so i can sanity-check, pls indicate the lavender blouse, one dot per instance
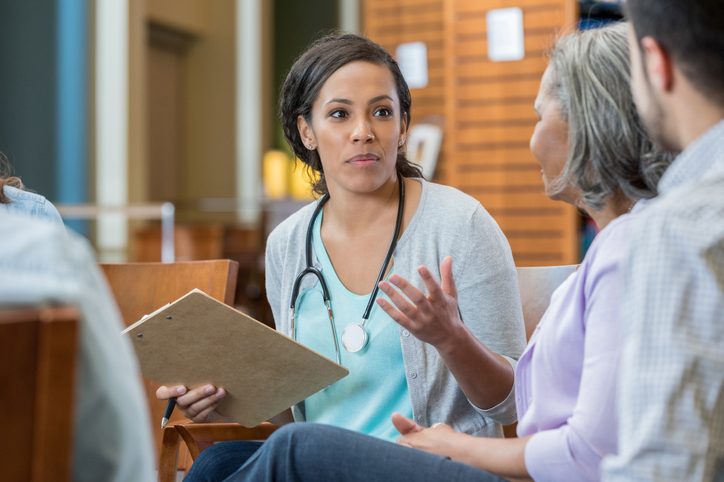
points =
(565, 381)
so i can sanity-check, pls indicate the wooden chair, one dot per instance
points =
(141, 288)
(536, 286)
(38, 349)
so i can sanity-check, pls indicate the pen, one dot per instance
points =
(169, 410)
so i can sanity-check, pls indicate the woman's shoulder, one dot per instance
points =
(446, 203)
(30, 204)
(610, 245)
(19, 196)
(292, 229)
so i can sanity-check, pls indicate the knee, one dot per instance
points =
(219, 461)
(296, 435)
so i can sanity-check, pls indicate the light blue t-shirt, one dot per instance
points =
(376, 385)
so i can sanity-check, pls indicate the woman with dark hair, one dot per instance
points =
(14, 198)
(437, 352)
(595, 155)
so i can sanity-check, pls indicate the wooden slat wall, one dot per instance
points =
(392, 22)
(489, 111)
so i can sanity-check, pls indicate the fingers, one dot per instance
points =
(433, 289)
(446, 275)
(419, 300)
(396, 316)
(403, 442)
(164, 392)
(198, 403)
(404, 425)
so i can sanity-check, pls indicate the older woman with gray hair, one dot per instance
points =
(595, 155)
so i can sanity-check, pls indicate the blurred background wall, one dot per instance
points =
(138, 102)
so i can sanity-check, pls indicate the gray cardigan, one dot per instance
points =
(447, 222)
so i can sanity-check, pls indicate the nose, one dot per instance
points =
(362, 132)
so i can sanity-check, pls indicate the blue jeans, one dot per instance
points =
(220, 461)
(315, 452)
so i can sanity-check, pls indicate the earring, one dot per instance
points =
(310, 147)
(400, 143)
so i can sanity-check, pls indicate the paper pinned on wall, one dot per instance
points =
(505, 34)
(412, 59)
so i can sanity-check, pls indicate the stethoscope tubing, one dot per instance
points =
(310, 269)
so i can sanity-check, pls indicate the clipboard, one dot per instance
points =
(198, 340)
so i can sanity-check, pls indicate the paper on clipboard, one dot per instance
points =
(198, 340)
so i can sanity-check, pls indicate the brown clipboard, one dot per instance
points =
(198, 340)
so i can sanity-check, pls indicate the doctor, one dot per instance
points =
(437, 351)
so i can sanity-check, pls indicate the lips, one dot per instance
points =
(363, 160)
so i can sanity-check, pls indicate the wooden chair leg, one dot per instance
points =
(169, 455)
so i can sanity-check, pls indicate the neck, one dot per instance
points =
(693, 115)
(352, 212)
(614, 208)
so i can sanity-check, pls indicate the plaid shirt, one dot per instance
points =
(671, 387)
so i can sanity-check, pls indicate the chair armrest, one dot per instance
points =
(199, 437)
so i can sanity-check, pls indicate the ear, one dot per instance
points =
(306, 132)
(658, 65)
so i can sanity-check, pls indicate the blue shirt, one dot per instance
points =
(376, 385)
(24, 203)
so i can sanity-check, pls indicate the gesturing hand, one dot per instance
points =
(433, 318)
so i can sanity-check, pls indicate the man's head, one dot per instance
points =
(677, 50)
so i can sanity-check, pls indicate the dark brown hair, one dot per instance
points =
(6, 179)
(306, 78)
(692, 32)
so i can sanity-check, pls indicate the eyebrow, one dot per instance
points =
(349, 102)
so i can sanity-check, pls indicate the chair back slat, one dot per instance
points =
(38, 349)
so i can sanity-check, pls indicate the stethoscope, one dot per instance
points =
(354, 336)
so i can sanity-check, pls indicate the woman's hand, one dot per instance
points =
(197, 404)
(502, 457)
(432, 319)
(438, 439)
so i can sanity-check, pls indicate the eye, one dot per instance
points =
(383, 112)
(338, 114)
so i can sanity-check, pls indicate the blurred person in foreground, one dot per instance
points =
(40, 263)
(671, 399)
(595, 155)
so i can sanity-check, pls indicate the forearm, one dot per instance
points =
(502, 457)
(485, 377)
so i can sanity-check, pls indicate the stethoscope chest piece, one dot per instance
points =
(354, 337)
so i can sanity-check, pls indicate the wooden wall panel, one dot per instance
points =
(487, 109)
(490, 118)
(392, 22)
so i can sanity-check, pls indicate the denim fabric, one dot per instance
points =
(315, 452)
(26, 203)
(221, 460)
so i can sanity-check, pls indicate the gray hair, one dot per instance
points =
(609, 148)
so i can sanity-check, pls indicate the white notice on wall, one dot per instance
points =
(505, 34)
(412, 59)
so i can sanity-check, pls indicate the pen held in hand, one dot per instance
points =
(169, 410)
